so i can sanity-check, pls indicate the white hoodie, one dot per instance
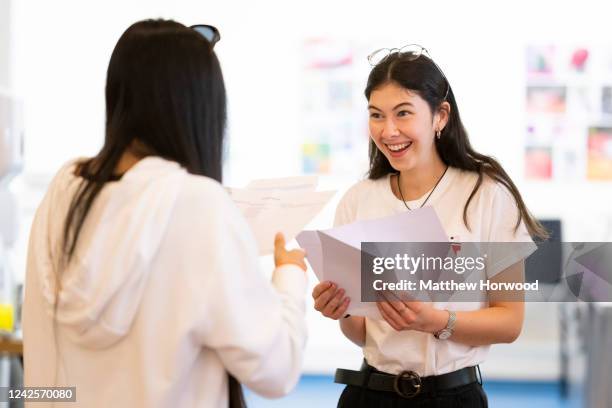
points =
(161, 297)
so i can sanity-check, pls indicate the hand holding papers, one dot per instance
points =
(285, 205)
(335, 254)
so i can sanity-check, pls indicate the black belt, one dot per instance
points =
(407, 383)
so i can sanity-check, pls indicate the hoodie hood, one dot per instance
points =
(100, 290)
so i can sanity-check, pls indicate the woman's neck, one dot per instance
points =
(126, 162)
(135, 152)
(416, 182)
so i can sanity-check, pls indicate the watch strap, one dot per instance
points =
(450, 325)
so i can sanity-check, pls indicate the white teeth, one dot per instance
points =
(397, 147)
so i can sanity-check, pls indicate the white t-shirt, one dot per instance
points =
(492, 216)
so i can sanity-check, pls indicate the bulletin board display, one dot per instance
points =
(334, 130)
(568, 101)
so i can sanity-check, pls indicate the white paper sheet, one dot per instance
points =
(284, 205)
(300, 183)
(335, 254)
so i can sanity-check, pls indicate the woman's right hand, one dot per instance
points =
(283, 257)
(330, 300)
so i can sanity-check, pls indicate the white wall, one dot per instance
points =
(5, 26)
(62, 49)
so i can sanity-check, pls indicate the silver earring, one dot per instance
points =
(438, 134)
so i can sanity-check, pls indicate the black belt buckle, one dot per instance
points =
(414, 379)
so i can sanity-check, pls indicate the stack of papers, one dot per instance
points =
(279, 205)
(335, 254)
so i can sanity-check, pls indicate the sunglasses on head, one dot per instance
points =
(411, 52)
(209, 32)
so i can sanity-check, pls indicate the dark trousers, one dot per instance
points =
(466, 396)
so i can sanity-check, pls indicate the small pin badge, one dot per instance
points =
(455, 244)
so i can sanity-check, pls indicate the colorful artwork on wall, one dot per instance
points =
(538, 163)
(542, 99)
(540, 60)
(334, 114)
(316, 158)
(568, 104)
(599, 158)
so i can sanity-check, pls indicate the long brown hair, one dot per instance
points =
(422, 76)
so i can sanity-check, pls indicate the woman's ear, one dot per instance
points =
(442, 116)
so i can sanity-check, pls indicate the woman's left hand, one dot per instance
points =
(413, 315)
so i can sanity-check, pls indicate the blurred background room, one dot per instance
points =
(533, 81)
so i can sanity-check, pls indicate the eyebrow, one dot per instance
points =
(394, 108)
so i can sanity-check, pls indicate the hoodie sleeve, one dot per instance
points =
(257, 327)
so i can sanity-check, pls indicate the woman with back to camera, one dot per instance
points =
(426, 354)
(142, 288)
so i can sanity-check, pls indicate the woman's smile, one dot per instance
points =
(398, 149)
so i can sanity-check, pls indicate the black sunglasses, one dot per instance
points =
(209, 32)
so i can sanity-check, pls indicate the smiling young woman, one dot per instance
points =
(401, 127)
(427, 354)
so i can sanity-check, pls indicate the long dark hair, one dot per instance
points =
(422, 76)
(165, 97)
(165, 94)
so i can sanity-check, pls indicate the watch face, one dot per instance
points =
(444, 334)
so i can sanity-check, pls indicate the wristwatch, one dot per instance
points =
(446, 332)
